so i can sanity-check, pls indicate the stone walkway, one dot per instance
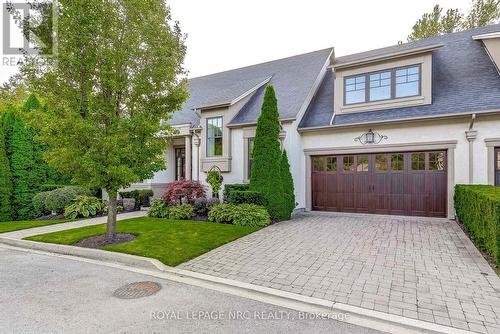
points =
(420, 268)
(67, 226)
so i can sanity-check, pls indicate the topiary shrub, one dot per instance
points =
(288, 189)
(180, 212)
(478, 208)
(246, 197)
(228, 188)
(202, 206)
(266, 156)
(183, 191)
(214, 179)
(250, 215)
(84, 206)
(57, 200)
(158, 209)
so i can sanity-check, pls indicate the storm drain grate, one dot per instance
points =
(137, 290)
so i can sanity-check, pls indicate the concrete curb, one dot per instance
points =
(356, 315)
(89, 253)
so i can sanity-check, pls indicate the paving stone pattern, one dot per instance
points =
(420, 268)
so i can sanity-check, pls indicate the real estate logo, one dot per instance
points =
(28, 29)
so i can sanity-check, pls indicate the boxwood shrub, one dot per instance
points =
(478, 208)
(56, 200)
(228, 188)
(245, 197)
(242, 215)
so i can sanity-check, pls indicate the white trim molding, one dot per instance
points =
(491, 143)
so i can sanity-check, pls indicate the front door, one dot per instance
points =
(497, 166)
(180, 163)
(406, 183)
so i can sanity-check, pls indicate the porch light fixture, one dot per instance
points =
(370, 137)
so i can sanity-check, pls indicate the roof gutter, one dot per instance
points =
(243, 125)
(401, 120)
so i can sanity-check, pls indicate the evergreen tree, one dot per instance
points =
(40, 169)
(265, 174)
(20, 153)
(288, 189)
(5, 180)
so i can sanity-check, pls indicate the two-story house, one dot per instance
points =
(387, 131)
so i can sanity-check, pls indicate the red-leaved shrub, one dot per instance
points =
(186, 190)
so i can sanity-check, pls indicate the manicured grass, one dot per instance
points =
(24, 224)
(170, 241)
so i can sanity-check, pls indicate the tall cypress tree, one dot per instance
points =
(5, 180)
(288, 189)
(20, 153)
(265, 177)
(40, 168)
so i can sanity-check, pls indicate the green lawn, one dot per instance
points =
(24, 224)
(170, 241)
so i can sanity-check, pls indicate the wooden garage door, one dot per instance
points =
(401, 183)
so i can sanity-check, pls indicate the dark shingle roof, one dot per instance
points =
(464, 79)
(292, 77)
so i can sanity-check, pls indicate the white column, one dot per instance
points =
(189, 158)
(196, 158)
(471, 135)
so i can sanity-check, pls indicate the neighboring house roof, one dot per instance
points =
(292, 77)
(464, 79)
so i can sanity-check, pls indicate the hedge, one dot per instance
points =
(478, 208)
(228, 188)
(5, 180)
(246, 197)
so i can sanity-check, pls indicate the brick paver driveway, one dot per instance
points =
(420, 268)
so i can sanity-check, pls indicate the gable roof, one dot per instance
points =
(464, 80)
(292, 77)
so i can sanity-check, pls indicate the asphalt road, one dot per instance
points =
(50, 294)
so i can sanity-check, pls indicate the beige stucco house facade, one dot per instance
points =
(387, 131)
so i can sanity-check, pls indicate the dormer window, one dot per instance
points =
(382, 85)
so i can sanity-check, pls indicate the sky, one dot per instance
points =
(227, 34)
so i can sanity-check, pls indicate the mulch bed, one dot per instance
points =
(103, 240)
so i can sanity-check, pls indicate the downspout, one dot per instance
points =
(471, 136)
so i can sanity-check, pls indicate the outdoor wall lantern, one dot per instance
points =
(370, 137)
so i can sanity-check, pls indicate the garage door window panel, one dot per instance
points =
(397, 162)
(418, 161)
(362, 163)
(348, 163)
(318, 164)
(381, 163)
(331, 164)
(437, 161)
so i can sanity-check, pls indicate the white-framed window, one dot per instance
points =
(383, 85)
(214, 136)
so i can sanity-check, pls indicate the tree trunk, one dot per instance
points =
(111, 223)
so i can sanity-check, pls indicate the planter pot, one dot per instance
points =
(129, 204)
